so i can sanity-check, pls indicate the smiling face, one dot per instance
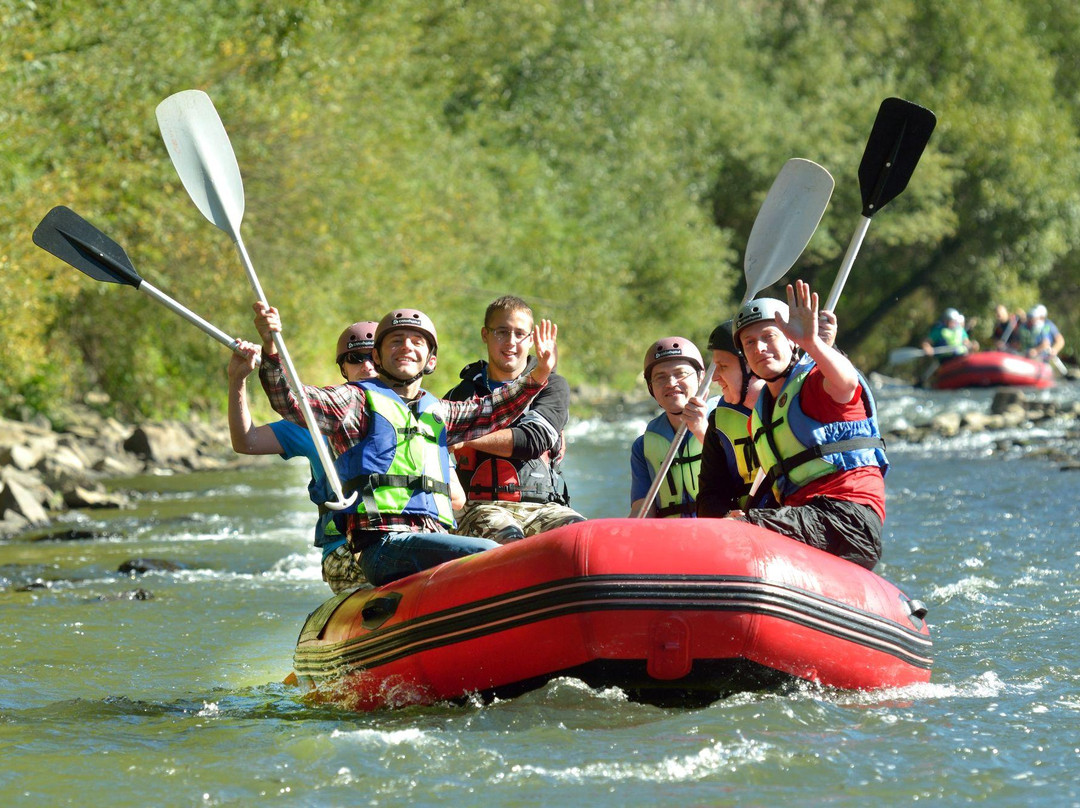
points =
(767, 350)
(673, 382)
(508, 337)
(728, 374)
(404, 353)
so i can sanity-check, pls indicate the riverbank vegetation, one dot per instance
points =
(603, 160)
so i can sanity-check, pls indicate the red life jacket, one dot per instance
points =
(486, 477)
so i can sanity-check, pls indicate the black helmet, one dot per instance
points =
(722, 339)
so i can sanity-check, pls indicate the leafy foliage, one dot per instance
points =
(603, 160)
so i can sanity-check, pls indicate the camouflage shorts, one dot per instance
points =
(341, 570)
(488, 519)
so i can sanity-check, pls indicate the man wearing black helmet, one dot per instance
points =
(728, 461)
(815, 431)
(391, 436)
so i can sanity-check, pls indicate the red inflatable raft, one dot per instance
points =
(991, 369)
(669, 610)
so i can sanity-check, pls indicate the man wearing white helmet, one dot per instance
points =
(1039, 337)
(949, 332)
(729, 463)
(815, 431)
(355, 363)
(673, 373)
(391, 437)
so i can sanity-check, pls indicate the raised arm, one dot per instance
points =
(247, 438)
(840, 376)
(333, 407)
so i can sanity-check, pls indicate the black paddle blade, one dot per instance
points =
(901, 131)
(72, 239)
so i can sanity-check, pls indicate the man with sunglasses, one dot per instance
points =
(355, 363)
(512, 478)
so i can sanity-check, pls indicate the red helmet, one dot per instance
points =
(672, 348)
(357, 337)
(408, 318)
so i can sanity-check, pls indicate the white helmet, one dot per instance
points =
(758, 309)
(1038, 312)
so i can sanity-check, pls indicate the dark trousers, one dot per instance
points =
(850, 530)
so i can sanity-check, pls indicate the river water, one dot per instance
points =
(106, 699)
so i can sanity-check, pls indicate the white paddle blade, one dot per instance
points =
(898, 356)
(787, 220)
(203, 157)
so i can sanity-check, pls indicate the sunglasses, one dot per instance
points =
(355, 358)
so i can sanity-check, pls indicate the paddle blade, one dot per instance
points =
(203, 157)
(72, 239)
(787, 219)
(901, 131)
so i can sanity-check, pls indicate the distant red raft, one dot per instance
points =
(678, 611)
(991, 369)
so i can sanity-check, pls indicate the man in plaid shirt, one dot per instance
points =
(391, 437)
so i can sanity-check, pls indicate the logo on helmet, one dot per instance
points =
(663, 353)
(405, 320)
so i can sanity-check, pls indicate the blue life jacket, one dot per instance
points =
(794, 449)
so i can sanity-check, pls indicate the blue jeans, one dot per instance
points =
(396, 555)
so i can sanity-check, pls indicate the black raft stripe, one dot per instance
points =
(616, 592)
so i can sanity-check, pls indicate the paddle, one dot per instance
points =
(785, 222)
(72, 239)
(203, 156)
(898, 356)
(899, 135)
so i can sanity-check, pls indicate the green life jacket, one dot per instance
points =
(794, 449)
(402, 464)
(732, 426)
(681, 478)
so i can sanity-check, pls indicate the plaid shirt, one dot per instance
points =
(341, 413)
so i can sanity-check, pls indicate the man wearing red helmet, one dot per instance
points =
(673, 373)
(512, 477)
(391, 437)
(355, 363)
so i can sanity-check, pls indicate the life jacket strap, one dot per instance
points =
(788, 465)
(366, 484)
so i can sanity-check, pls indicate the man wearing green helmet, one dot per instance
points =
(815, 431)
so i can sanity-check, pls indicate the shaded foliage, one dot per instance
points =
(605, 161)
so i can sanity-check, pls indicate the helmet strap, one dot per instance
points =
(394, 381)
(787, 370)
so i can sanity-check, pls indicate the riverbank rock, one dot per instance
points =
(46, 469)
(1011, 408)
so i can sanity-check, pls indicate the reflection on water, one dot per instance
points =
(177, 699)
